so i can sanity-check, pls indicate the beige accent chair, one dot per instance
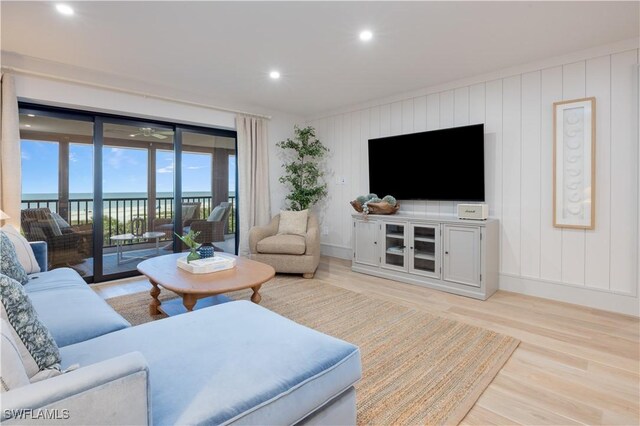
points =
(287, 253)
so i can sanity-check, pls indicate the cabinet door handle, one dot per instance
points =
(375, 242)
(411, 248)
(446, 252)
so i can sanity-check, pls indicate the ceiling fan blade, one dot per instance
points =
(158, 136)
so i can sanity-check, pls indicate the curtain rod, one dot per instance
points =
(128, 92)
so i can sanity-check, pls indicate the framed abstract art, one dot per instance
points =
(574, 152)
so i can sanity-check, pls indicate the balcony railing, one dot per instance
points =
(121, 214)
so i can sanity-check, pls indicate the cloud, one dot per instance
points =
(166, 169)
(195, 167)
(73, 157)
(25, 155)
(118, 157)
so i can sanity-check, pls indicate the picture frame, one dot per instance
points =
(574, 161)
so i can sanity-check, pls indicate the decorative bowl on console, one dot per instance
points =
(371, 204)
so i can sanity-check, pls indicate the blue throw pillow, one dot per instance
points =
(39, 351)
(9, 263)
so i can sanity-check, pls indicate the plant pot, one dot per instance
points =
(193, 255)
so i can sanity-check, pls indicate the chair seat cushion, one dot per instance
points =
(231, 363)
(282, 244)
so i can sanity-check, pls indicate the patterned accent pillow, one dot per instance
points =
(9, 263)
(37, 348)
(23, 249)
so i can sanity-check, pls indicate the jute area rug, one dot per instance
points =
(417, 368)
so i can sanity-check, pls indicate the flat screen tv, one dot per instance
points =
(445, 164)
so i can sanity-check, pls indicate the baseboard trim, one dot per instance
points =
(335, 250)
(619, 303)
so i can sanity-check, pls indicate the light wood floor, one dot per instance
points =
(574, 365)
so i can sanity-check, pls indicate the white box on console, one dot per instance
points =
(478, 211)
(217, 263)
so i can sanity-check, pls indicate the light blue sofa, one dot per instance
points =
(235, 363)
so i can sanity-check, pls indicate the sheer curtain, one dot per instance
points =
(10, 179)
(253, 176)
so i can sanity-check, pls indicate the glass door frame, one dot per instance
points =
(98, 189)
(232, 134)
(99, 120)
(62, 114)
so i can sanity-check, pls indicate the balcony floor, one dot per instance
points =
(111, 266)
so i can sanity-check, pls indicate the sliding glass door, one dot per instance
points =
(137, 170)
(209, 186)
(107, 192)
(57, 186)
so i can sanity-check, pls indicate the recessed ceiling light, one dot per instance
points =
(366, 35)
(132, 136)
(31, 115)
(27, 125)
(274, 75)
(65, 9)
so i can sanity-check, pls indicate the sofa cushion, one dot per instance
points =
(293, 222)
(12, 372)
(232, 363)
(9, 263)
(54, 279)
(23, 249)
(71, 310)
(38, 349)
(282, 244)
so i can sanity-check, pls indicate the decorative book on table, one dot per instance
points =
(220, 262)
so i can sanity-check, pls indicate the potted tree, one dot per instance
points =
(303, 175)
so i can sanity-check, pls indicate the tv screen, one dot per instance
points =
(445, 164)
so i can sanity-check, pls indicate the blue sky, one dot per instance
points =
(124, 169)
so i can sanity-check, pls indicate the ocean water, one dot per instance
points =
(81, 204)
(115, 195)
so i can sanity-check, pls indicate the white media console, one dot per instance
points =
(444, 253)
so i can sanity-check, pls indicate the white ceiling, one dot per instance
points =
(223, 51)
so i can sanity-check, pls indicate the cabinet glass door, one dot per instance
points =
(394, 246)
(424, 250)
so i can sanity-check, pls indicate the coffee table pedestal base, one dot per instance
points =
(176, 306)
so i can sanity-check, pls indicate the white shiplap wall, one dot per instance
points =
(597, 268)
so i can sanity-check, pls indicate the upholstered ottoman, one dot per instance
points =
(232, 363)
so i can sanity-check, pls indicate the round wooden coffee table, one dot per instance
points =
(163, 272)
